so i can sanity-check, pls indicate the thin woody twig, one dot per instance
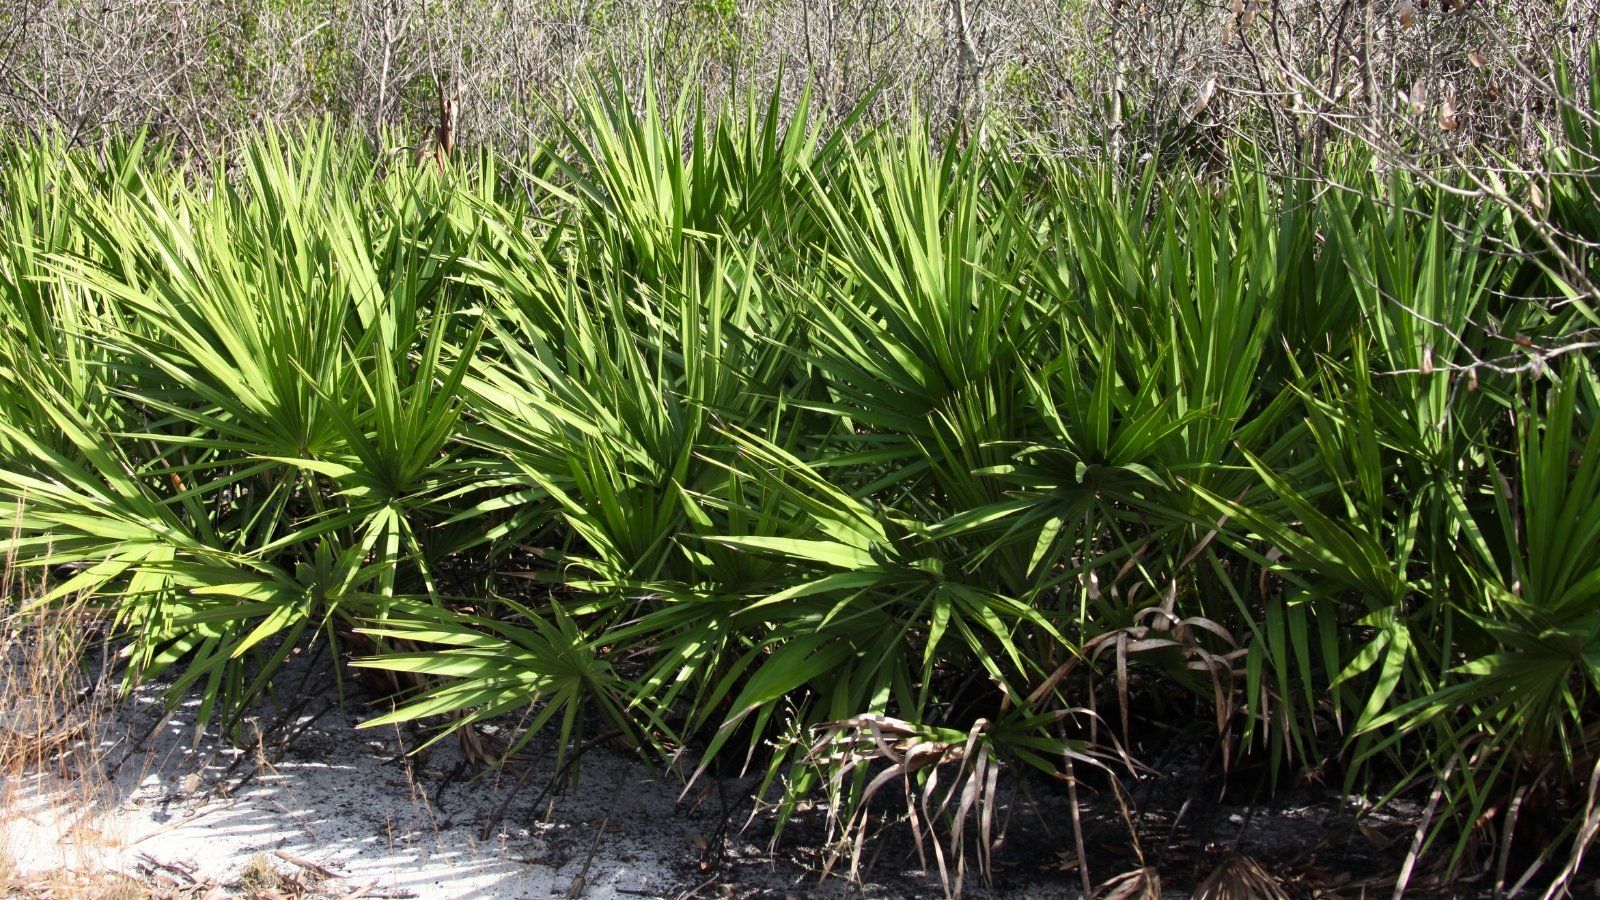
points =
(308, 865)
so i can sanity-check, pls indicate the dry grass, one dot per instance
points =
(60, 883)
(259, 875)
(46, 700)
(51, 774)
(10, 874)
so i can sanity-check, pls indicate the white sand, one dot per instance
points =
(352, 803)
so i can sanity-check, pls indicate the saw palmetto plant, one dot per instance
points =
(878, 464)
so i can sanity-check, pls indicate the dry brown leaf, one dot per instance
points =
(1065, 861)
(1477, 59)
(1207, 91)
(1406, 12)
(1090, 582)
(1377, 838)
(1140, 884)
(1417, 96)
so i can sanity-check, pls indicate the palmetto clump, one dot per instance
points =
(852, 456)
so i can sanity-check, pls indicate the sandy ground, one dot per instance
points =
(309, 792)
(348, 812)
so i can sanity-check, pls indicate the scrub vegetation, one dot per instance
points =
(878, 458)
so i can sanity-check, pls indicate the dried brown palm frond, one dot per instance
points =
(921, 751)
(1143, 883)
(1177, 645)
(1240, 877)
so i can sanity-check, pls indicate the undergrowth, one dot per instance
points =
(864, 460)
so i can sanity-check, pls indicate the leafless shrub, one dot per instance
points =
(1128, 78)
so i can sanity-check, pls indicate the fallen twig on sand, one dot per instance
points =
(308, 865)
